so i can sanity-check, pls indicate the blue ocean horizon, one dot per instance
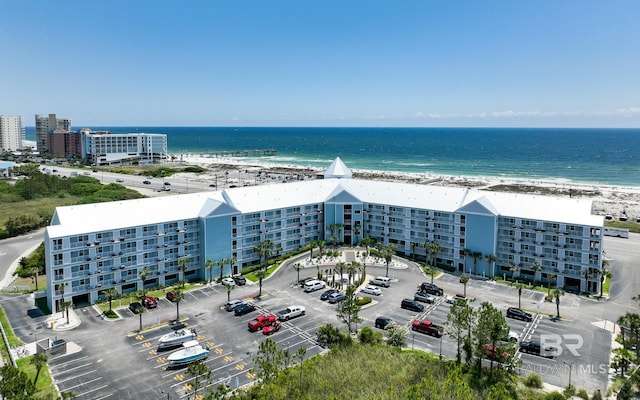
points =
(595, 156)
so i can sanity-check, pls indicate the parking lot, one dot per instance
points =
(114, 362)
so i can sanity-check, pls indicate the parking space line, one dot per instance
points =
(75, 376)
(77, 367)
(95, 389)
(70, 362)
(104, 397)
(83, 384)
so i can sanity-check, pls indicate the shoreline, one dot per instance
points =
(616, 200)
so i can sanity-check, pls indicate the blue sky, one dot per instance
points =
(323, 63)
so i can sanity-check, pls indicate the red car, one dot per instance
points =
(428, 327)
(260, 322)
(269, 329)
(150, 302)
(494, 354)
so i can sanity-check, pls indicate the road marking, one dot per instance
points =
(139, 337)
(240, 367)
(228, 358)
(147, 344)
(161, 359)
(218, 351)
(251, 375)
(153, 352)
(178, 377)
(187, 387)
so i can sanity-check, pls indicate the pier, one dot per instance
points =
(240, 153)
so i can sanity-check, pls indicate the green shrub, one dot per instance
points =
(533, 380)
(369, 336)
(364, 300)
(554, 396)
(583, 394)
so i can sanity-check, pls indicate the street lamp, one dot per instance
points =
(570, 368)
(413, 339)
(440, 354)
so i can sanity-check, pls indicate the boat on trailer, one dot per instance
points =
(177, 338)
(191, 352)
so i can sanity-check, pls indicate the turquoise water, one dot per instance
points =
(595, 156)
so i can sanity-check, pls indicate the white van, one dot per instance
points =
(381, 281)
(314, 285)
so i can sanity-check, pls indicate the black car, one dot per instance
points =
(325, 295)
(244, 309)
(517, 313)
(431, 289)
(147, 182)
(534, 347)
(382, 322)
(240, 280)
(412, 305)
(136, 307)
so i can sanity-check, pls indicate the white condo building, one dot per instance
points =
(93, 247)
(106, 148)
(11, 133)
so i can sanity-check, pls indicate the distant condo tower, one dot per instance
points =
(45, 124)
(11, 133)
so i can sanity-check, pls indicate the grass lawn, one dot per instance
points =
(44, 206)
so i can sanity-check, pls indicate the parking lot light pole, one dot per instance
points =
(570, 368)
(413, 339)
(440, 353)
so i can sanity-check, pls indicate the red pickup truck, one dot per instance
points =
(260, 322)
(428, 327)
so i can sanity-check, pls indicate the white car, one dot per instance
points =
(450, 299)
(228, 281)
(374, 290)
(290, 312)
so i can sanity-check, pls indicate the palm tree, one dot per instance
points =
(352, 268)
(261, 274)
(278, 251)
(264, 250)
(39, 360)
(535, 267)
(622, 323)
(491, 259)
(587, 273)
(341, 266)
(140, 312)
(297, 266)
(519, 286)
(387, 253)
(208, 265)
(432, 248)
(321, 245)
(429, 271)
(182, 267)
(229, 289)
(356, 231)
(549, 278)
(312, 244)
(367, 242)
(464, 279)
(557, 293)
(146, 271)
(475, 255)
(179, 296)
(514, 269)
(112, 293)
(222, 263)
(34, 270)
(604, 274)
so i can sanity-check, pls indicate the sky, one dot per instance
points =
(428, 63)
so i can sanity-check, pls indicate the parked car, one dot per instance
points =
(313, 285)
(228, 281)
(260, 322)
(243, 309)
(171, 296)
(232, 304)
(325, 295)
(431, 289)
(428, 327)
(381, 281)
(457, 297)
(516, 313)
(424, 297)
(412, 305)
(240, 280)
(290, 312)
(382, 322)
(150, 302)
(374, 290)
(120, 180)
(336, 297)
(535, 347)
(167, 183)
(147, 182)
(271, 328)
(136, 307)
(495, 354)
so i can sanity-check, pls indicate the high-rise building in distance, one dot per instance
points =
(11, 133)
(45, 124)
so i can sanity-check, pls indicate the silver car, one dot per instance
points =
(424, 297)
(374, 290)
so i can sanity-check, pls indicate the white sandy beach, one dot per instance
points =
(614, 200)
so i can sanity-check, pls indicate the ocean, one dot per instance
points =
(590, 156)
